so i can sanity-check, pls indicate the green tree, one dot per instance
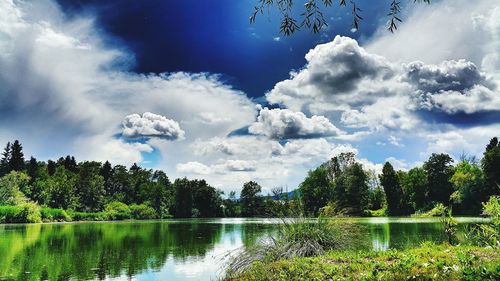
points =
(316, 190)
(51, 167)
(4, 162)
(415, 188)
(206, 199)
(356, 188)
(161, 194)
(470, 188)
(231, 206)
(251, 200)
(439, 172)
(491, 166)
(11, 186)
(183, 203)
(16, 161)
(393, 191)
(62, 189)
(90, 187)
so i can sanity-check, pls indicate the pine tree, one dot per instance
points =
(32, 169)
(51, 167)
(4, 162)
(16, 161)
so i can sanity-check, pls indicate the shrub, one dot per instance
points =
(83, 216)
(142, 212)
(117, 211)
(51, 214)
(487, 234)
(438, 211)
(24, 213)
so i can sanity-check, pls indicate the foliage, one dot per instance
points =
(26, 212)
(415, 187)
(439, 172)
(393, 191)
(470, 187)
(142, 212)
(428, 262)
(316, 190)
(491, 166)
(312, 17)
(11, 186)
(250, 200)
(438, 211)
(51, 214)
(118, 211)
(487, 234)
(449, 225)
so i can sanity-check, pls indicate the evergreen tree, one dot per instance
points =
(16, 161)
(32, 169)
(4, 162)
(491, 166)
(51, 167)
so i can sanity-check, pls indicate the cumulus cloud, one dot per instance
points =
(286, 124)
(151, 125)
(339, 71)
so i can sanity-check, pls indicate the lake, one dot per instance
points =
(165, 250)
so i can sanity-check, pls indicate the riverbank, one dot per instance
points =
(427, 262)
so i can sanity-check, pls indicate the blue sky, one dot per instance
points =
(191, 87)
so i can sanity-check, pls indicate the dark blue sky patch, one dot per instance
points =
(215, 36)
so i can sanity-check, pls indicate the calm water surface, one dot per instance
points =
(164, 250)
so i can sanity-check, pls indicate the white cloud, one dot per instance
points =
(286, 124)
(151, 125)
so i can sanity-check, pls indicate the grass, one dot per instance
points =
(298, 237)
(428, 262)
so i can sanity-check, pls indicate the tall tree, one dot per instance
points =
(16, 161)
(491, 166)
(393, 191)
(416, 189)
(316, 191)
(439, 172)
(356, 187)
(251, 201)
(51, 167)
(470, 188)
(4, 162)
(90, 187)
(183, 203)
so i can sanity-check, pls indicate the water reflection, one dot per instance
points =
(158, 250)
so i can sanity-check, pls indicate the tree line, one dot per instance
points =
(341, 185)
(92, 187)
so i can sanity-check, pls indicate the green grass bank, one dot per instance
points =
(428, 262)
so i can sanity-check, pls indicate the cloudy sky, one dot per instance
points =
(192, 88)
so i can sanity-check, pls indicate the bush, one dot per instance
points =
(50, 214)
(438, 211)
(118, 211)
(377, 213)
(142, 212)
(487, 234)
(83, 216)
(24, 213)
